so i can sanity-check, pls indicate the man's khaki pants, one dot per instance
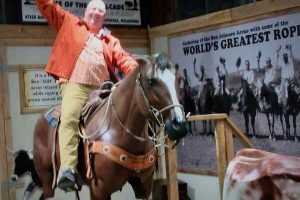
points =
(74, 96)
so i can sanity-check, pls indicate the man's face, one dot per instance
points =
(268, 62)
(285, 58)
(94, 15)
(185, 72)
(247, 64)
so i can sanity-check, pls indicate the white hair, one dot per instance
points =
(97, 2)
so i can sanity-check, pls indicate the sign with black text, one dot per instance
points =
(38, 90)
(118, 12)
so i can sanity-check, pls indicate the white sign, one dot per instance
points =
(255, 41)
(40, 89)
(118, 12)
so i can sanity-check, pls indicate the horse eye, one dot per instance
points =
(151, 81)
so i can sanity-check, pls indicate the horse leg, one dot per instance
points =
(294, 125)
(287, 124)
(148, 185)
(210, 129)
(281, 122)
(204, 127)
(46, 176)
(194, 124)
(246, 117)
(190, 128)
(269, 124)
(98, 190)
(253, 123)
(46, 180)
(42, 198)
(273, 122)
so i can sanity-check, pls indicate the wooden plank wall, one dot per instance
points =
(3, 164)
(239, 15)
(42, 35)
(7, 161)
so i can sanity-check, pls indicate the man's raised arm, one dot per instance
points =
(53, 12)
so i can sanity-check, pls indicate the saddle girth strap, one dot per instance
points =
(124, 158)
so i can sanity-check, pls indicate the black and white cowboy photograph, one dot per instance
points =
(149, 100)
(254, 81)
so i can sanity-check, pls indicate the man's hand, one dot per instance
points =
(218, 69)
(278, 50)
(238, 62)
(202, 69)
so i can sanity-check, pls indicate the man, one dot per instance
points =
(287, 69)
(202, 79)
(83, 56)
(248, 74)
(270, 73)
(221, 81)
(186, 79)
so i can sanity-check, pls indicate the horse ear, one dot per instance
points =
(162, 61)
(140, 60)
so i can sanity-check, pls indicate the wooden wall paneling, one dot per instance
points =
(171, 167)
(2, 9)
(3, 164)
(5, 130)
(38, 35)
(8, 132)
(233, 16)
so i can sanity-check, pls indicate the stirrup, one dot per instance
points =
(67, 181)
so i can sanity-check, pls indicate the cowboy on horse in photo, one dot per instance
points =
(113, 130)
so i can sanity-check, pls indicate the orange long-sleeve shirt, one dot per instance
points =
(73, 33)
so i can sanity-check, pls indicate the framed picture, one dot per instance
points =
(250, 71)
(38, 90)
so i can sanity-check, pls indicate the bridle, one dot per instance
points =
(155, 113)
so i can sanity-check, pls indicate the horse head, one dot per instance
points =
(157, 81)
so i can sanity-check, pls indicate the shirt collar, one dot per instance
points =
(104, 32)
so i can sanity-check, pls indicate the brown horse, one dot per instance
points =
(147, 93)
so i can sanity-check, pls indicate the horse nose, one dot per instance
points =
(176, 129)
(14, 177)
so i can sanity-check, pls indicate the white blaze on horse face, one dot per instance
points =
(169, 79)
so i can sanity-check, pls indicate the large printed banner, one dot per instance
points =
(232, 46)
(250, 71)
(118, 12)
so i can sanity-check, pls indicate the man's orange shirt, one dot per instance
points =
(73, 33)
